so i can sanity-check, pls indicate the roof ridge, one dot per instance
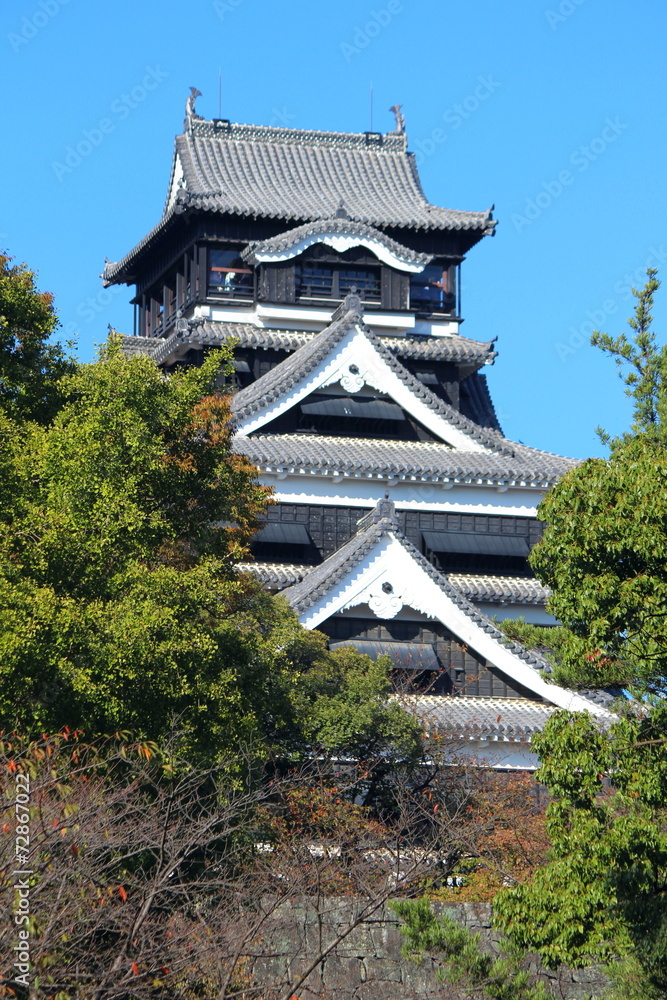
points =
(239, 131)
(484, 435)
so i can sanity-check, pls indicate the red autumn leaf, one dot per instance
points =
(165, 969)
(135, 969)
(75, 850)
(11, 766)
(6, 828)
(122, 893)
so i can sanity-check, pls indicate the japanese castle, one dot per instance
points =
(404, 517)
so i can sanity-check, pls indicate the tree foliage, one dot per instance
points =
(604, 555)
(604, 552)
(462, 961)
(642, 366)
(30, 364)
(602, 895)
(120, 607)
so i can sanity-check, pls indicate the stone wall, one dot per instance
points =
(366, 963)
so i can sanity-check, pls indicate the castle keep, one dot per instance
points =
(404, 517)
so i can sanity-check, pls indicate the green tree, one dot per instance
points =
(604, 552)
(602, 895)
(604, 555)
(120, 607)
(30, 363)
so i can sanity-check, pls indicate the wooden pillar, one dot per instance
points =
(153, 314)
(202, 274)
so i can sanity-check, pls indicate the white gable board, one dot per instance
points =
(355, 362)
(387, 578)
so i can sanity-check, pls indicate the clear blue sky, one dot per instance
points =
(554, 110)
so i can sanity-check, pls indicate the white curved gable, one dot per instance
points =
(340, 242)
(388, 579)
(355, 362)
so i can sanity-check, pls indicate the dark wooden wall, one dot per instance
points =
(463, 671)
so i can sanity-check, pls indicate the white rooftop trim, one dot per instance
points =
(340, 242)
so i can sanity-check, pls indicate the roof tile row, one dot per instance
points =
(411, 460)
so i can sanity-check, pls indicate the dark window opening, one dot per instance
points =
(228, 275)
(463, 562)
(350, 416)
(318, 282)
(314, 282)
(430, 290)
(284, 541)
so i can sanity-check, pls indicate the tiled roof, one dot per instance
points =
(476, 587)
(284, 242)
(131, 345)
(275, 575)
(296, 174)
(277, 382)
(420, 460)
(323, 578)
(502, 719)
(510, 589)
(293, 174)
(475, 400)
(452, 347)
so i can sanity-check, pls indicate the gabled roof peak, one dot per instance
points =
(351, 308)
(384, 510)
(380, 567)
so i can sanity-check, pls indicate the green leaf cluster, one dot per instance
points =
(604, 556)
(602, 895)
(464, 963)
(121, 522)
(31, 364)
(604, 552)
